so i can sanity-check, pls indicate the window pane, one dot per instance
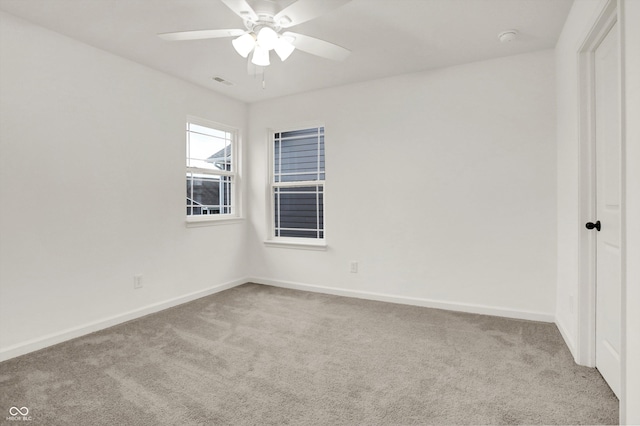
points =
(208, 194)
(296, 233)
(299, 212)
(208, 148)
(207, 131)
(301, 133)
(299, 155)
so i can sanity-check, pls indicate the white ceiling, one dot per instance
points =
(387, 37)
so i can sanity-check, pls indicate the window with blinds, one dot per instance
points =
(297, 186)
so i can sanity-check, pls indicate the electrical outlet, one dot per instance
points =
(137, 281)
(353, 267)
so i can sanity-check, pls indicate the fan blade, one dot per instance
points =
(318, 47)
(200, 34)
(305, 10)
(242, 9)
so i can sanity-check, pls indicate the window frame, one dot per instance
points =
(292, 242)
(234, 174)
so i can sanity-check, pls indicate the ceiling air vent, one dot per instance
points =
(223, 81)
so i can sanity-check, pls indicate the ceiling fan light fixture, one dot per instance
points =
(284, 48)
(285, 21)
(263, 27)
(267, 38)
(244, 44)
(260, 56)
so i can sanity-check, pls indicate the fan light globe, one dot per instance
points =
(260, 56)
(244, 44)
(284, 48)
(267, 38)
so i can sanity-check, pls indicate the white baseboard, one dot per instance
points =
(71, 333)
(562, 328)
(415, 301)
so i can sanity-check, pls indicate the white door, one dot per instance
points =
(608, 208)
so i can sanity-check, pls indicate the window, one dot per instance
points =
(297, 184)
(211, 170)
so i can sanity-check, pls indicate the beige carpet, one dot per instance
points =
(263, 355)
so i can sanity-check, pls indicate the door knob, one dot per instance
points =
(591, 225)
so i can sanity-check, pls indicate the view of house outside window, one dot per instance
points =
(298, 182)
(211, 170)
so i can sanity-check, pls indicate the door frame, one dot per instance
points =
(586, 342)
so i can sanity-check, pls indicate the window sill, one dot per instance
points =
(196, 222)
(320, 245)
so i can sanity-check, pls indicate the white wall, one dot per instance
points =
(92, 189)
(581, 18)
(440, 184)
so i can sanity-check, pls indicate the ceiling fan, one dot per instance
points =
(265, 30)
